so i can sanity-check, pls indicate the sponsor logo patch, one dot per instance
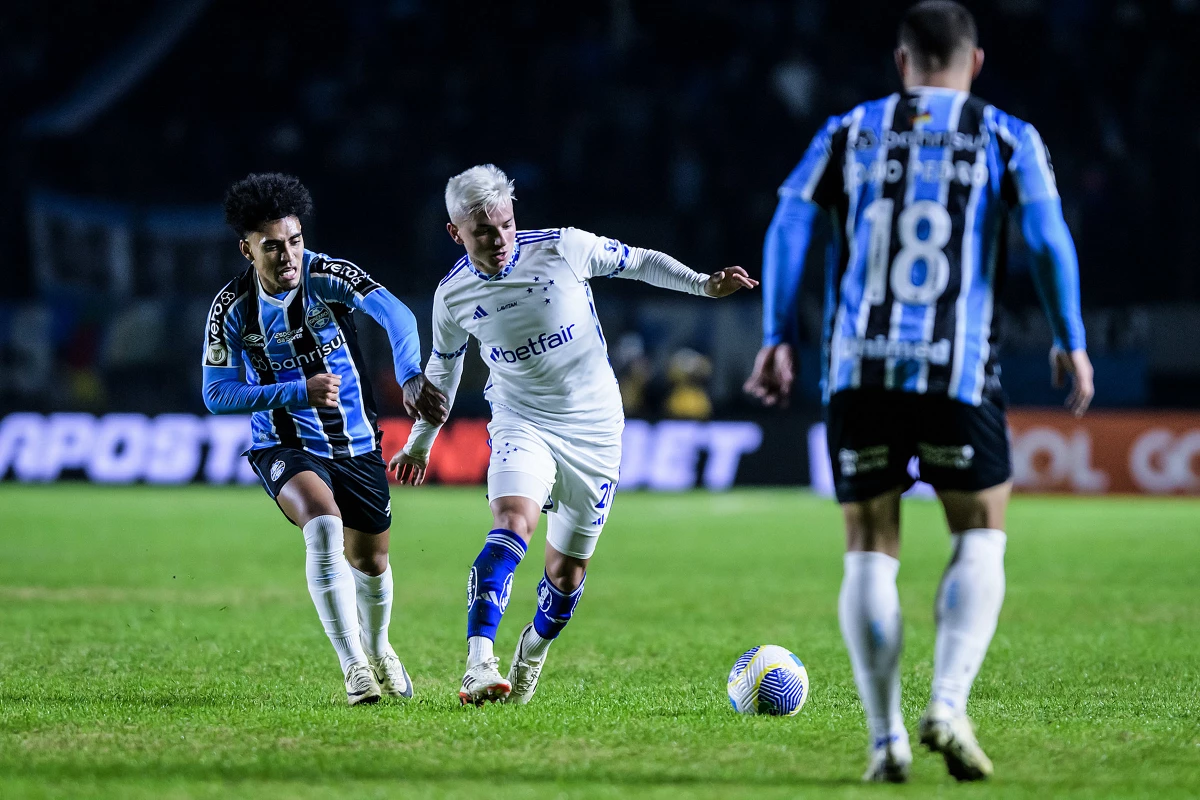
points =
(253, 340)
(283, 337)
(472, 587)
(946, 456)
(868, 459)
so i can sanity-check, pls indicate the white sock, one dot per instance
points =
(479, 649)
(374, 609)
(968, 607)
(332, 588)
(869, 612)
(535, 647)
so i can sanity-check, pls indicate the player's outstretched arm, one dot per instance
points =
(1056, 277)
(440, 382)
(660, 269)
(421, 399)
(784, 250)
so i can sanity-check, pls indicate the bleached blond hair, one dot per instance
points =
(483, 188)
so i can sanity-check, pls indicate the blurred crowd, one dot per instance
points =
(667, 124)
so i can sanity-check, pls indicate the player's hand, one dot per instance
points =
(323, 390)
(422, 399)
(773, 375)
(1076, 364)
(727, 281)
(408, 468)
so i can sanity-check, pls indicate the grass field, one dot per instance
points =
(161, 643)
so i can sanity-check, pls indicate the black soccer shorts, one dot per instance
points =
(874, 433)
(359, 484)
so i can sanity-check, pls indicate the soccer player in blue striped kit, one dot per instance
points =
(920, 187)
(281, 342)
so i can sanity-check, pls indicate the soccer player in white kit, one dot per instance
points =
(556, 409)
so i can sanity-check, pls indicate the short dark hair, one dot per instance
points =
(261, 197)
(935, 31)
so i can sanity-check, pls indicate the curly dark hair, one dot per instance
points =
(263, 196)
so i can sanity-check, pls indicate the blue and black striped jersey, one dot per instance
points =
(285, 340)
(919, 186)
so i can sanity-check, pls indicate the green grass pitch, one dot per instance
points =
(161, 643)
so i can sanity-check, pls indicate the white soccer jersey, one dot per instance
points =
(538, 331)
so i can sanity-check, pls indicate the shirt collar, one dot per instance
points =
(507, 268)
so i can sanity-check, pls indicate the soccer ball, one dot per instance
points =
(768, 680)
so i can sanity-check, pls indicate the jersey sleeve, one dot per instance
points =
(222, 341)
(784, 249)
(224, 386)
(401, 326)
(443, 370)
(340, 281)
(592, 256)
(1029, 171)
(817, 178)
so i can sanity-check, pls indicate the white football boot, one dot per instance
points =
(361, 686)
(484, 683)
(943, 731)
(890, 762)
(523, 674)
(391, 674)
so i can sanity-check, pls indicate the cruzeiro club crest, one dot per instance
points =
(318, 316)
(277, 470)
(543, 597)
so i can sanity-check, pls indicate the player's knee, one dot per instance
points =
(968, 510)
(515, 521)
(305, 508)
(323, 535)
(566, 573)
(873, 525)
(373, 564)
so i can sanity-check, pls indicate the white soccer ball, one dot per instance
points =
(768, 680)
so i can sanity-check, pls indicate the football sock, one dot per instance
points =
(479, 649)
(968, 607)
(332, 588)
(374, 609)
(869, 613)
(554, 611)
(489, 585)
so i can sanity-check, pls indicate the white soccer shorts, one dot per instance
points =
(579, 478)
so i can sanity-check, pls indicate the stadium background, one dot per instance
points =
(157, 641)
(665, 124)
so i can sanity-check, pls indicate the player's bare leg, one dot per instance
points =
(968, 608)
(308, 501)
(558, 593)
(869, 613)
(489, 587)
(368, 557)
